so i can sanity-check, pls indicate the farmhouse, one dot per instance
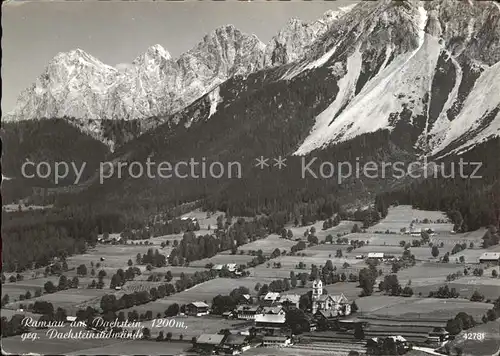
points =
(235, 344)
(490, 257)
(376, 255)
(290, 300)
(416, 232)
(231, 267)
(209, 342)
(271, 298)
(437, 337)
(197, 309)
(247, 312)
(270, 319)
(276, 341)
(245, 299)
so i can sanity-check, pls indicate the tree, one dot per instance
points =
(359, 333)
(355, 229)
(354, 307)
(49, 287)
(169, 336)
(81, 270)
(172, 310)
(160, 336)
(63, 283)
(366, 281)
(494, 273)
(297, 321)
(5, 299)
(146, 333)
(435, 251)
(257, 287)
(453, 326)
(38, 292)
(130, 263)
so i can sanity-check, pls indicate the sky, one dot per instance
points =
(117, 32)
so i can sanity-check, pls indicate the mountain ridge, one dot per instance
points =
(155, 85)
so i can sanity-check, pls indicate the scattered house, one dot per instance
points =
(277, 310)
(270, 319)
(245, 299)
(247, 312)
(276, 341)
(376, 255)
(360, 257)
(398, 340)
(70, 318)
(118, 288)
(235, 344)
(197, 309)
(228, 315)
(209, 342)
(271, 297)
(218, 267)
(289, 300)
(437, 337)
(416, 232)
(490, 257)
(231, 267)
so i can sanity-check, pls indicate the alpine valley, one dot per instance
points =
(376, 81)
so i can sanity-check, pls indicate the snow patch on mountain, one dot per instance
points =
(401, 85)
(214, 98)
(321, 131)
(483, 99)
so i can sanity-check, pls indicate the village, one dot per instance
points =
(344, 290)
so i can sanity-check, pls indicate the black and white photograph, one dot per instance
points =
(272, 178)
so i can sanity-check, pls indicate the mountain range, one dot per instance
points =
(379, 80)
(77, 86)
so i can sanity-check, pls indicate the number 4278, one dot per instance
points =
(474, 336)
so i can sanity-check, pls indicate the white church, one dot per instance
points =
(328, 305)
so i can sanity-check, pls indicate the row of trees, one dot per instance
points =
(111, 303)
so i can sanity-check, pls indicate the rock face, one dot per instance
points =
(428, 72)
(413, 68)
(293, 41)
(78, 86)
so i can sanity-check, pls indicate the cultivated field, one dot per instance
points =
(137, 348)
(426, 273)
(267, 245)
(401, 216)
(69, 299)
(223, 259)
(202, 292)
(431, 308)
